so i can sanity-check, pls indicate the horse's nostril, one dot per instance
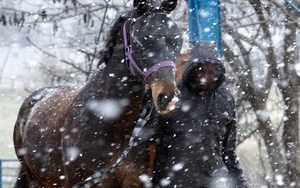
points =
(163, 100)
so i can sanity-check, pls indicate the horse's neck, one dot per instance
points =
(115, 82)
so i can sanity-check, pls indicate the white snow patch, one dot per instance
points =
(170, 24)
(185, 108)
(204, 13)
(72, 153)
(108, 109)
(263, 114)
(165, 182)
(220, 182)
(22, 151)
(203, 81)
(279, 180)
(102, 66)
(145, 179)
(177, 167)
(124, 79)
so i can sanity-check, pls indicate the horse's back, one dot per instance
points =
(38, 127)
(44, 101)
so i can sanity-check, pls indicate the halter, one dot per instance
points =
(131, 61)
(144, 116)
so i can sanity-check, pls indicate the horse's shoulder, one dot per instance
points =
(47, 98)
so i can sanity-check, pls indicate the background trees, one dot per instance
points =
(260, 45)
(261, 54)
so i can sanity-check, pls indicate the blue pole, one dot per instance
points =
(0, 173)
(205, 21)
(293, 5)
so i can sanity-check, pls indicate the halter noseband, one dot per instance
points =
(130, 60)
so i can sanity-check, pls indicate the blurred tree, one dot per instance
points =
(260, 44)
(63, 30)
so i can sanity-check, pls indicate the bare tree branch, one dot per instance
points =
(51, 55)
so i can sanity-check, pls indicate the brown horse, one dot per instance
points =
(65, 134)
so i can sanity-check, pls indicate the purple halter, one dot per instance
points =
(129, 58)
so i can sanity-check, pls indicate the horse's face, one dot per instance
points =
(156, 38)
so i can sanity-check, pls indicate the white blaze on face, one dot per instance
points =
(172, 104)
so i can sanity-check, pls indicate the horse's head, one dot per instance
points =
(156, 41)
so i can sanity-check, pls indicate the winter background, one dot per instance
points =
(57, 47)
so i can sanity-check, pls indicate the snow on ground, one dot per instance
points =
(14, 66)
(14, 77)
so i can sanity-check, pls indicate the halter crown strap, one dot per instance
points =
(132, 62)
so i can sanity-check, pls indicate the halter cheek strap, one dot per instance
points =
(131, 61)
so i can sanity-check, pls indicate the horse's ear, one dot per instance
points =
(140, 5)
(168, 5)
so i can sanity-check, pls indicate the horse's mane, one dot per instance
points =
(106, 53)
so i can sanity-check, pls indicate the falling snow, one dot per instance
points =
(261, 75)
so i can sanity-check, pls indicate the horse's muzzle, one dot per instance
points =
(167, 103)
(166, 99)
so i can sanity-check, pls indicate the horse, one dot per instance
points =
(65, 134)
